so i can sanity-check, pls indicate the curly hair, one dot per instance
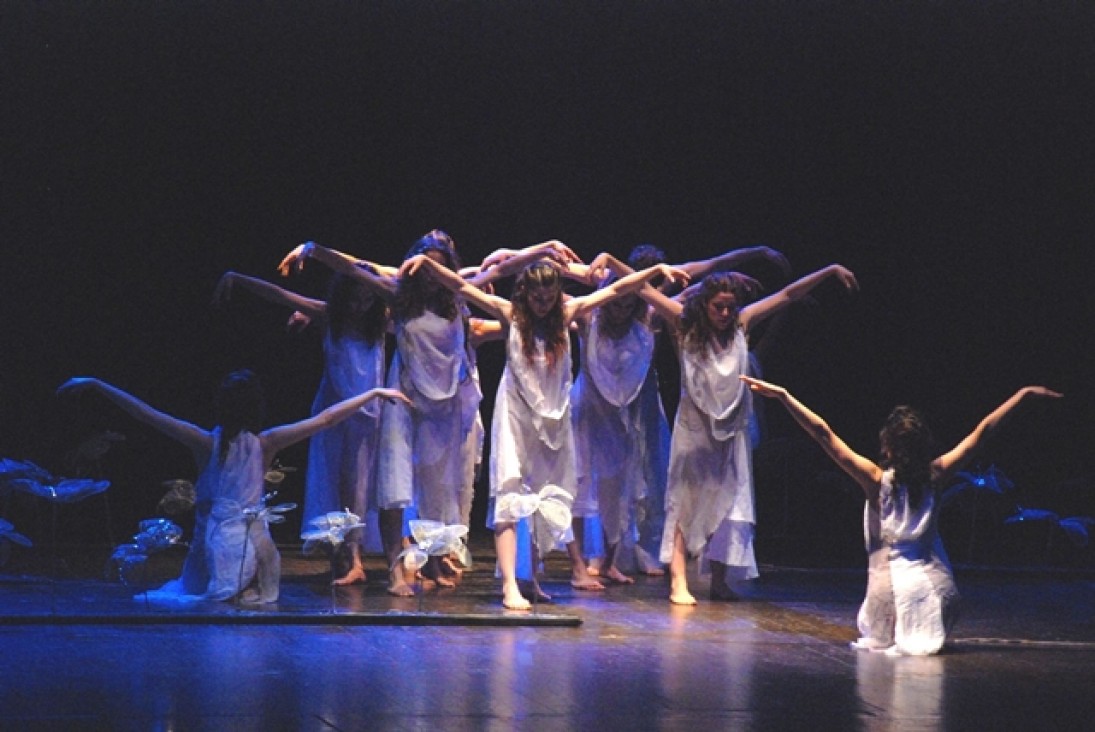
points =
(540, 274)
(696, 327)
(645, 255)
(907, 446)
(416, 294)
(239, 405)
(342, 315)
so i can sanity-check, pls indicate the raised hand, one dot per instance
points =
(1040, 391)
(412, 265)
(76, 385)
(391, 395)
(763, 388)
(294, 260)
(673, 274)
(846, 278)
(223, 292)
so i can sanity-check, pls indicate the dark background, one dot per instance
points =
(942, 151)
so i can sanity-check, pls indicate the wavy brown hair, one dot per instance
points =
(551, 326)
(417, 293)
(907, 446)
(695, 326)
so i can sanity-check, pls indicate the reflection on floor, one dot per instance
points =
(81, 653)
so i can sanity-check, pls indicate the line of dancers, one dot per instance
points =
(410, 437)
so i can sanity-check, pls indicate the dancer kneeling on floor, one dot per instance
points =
(230, 556)
(911, 598)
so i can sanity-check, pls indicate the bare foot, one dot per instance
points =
(618, 577)
(434, 571)
(355, 576)
(648, 565)
(448, 567)
(512, 599)
(540, 595)
(398, 586)
(593, 570)
(679, 594)
(591, 584)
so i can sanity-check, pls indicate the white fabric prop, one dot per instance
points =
(433, 538)
(330, 528)
(548, 512)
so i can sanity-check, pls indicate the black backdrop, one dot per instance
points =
(942, 151)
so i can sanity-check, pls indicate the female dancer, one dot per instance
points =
(341, 470)
(230, 555)
(434, 366)
(532, 443)
(618, 408)
(709, 500)
(616, 430)
(911, 598)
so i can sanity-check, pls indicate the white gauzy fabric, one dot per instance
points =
(422, 458)
(342, 460)
(532, 441)
(608, 434)
(710, 487)
(229, 555)
(911, 601)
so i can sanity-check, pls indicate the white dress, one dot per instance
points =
(423, 456)
(911, 601)
(342, 460)
(532, 439)
(608, 434)
(229, 553)
(710, 485)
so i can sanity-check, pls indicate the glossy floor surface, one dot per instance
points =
(79, 652)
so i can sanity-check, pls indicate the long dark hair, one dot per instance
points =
(697, 330)
(416, 294)
(343, 317)
(908, 448)
(239, 406)
(552, 327)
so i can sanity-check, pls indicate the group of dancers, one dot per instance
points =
(410, 438)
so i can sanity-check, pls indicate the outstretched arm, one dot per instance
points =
(734, 259)
(497, 307)
(276, 439)
(197, 439)
(863, 471)
(267, 291)
(629, 285)
(769, 306)
(508, 262)
(946, 465)
(381, 280)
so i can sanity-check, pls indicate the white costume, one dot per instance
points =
(608, 431)
(532, 439)
(423, 456)
(342, 460)
(911, 601)
(230, 552)
(710, 487)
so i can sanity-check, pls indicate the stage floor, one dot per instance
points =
(81, 653)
